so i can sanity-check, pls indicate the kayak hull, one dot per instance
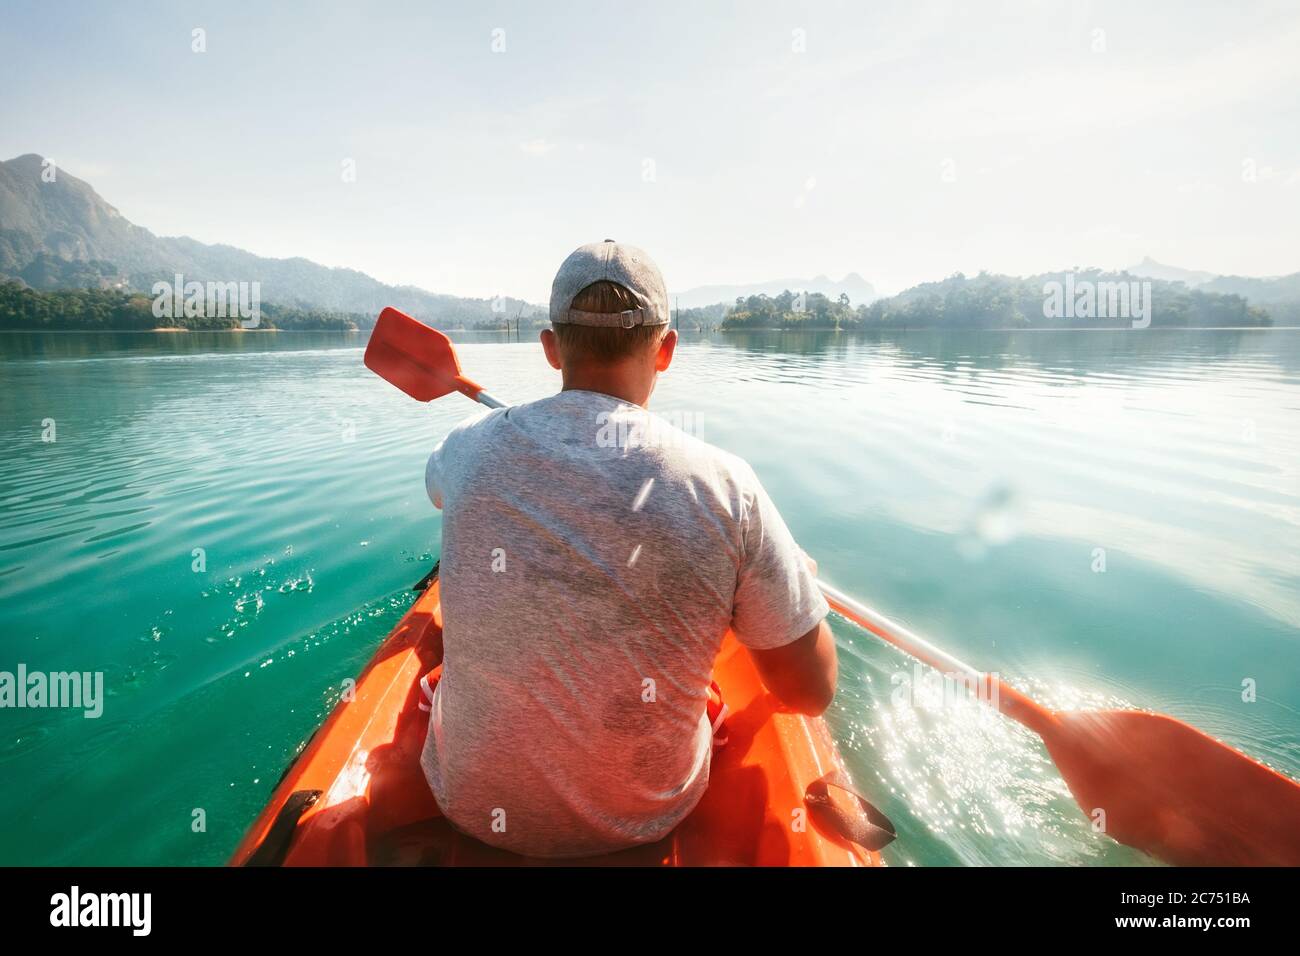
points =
(356, 795)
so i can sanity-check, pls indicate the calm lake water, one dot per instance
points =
(1104, 518)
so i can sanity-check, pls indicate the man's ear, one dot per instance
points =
(664, 358)
(551, 346)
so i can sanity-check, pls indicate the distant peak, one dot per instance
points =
(1162, 270)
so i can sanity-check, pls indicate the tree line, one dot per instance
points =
(990, 302)
(91, 309)
(983, 302)
(123, 310)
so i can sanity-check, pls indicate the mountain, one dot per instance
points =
(1281, 294)
(1150, 269)
(63, 234)
(1262, 291)
(858, 289)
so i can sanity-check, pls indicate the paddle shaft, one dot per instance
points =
(991, 689)
(475, 391)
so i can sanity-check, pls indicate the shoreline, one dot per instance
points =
(170, 330)
(940, 328)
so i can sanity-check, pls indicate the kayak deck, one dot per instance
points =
(357, 796)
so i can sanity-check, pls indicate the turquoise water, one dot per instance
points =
(962, 484)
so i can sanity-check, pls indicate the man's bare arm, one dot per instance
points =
(801, 674)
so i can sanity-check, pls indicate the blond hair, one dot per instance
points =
(600, 343)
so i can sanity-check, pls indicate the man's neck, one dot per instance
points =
(626, 384)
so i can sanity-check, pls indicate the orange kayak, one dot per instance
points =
(356, 796)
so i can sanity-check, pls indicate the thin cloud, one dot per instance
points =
(536, 147)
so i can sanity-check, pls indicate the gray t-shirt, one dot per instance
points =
(593, 558)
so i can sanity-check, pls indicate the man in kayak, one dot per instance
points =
(593, 558)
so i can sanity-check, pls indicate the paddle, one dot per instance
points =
(1145, 779)
(1161, 785)
(419, 360)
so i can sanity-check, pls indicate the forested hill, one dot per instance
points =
(997, 302)
(23, 308)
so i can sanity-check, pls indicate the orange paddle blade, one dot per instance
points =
(1147, 780)
(416, 358)
(1158, 784)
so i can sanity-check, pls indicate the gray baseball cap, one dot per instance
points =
(616, 262)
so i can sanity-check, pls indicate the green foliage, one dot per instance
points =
(111, 303)
(983, 302)
(791, 310)
(989, 302)
(701, 318)
(123, 310)
(45, 271)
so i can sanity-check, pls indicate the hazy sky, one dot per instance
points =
(905, 142)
